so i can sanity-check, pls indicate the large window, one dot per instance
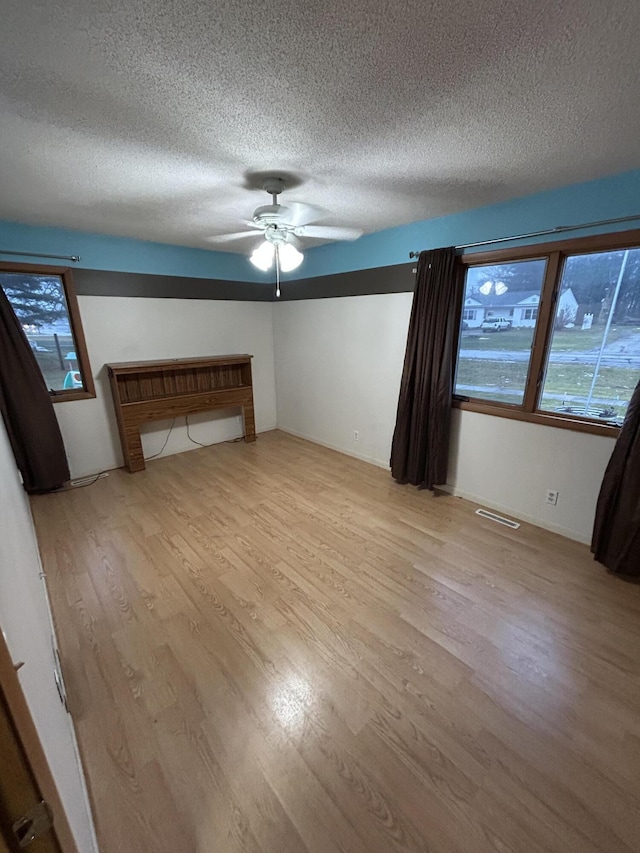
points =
(44, 302)
(555, 333)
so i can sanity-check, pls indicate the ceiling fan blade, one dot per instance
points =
(228, 238)
(298, 214)
(330, 232)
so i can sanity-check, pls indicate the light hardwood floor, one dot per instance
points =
(274, 648)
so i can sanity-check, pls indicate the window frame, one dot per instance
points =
(89, 390)
(555, 253)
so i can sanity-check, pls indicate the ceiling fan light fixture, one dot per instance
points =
(290, 257)
(262, 257)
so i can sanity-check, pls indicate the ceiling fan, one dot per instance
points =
(282, 227)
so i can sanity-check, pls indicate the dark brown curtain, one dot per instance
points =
(420, 448)
(616, 532)
(27, 409)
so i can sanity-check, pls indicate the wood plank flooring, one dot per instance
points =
(273, 648)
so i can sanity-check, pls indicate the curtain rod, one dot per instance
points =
(74, 258)
(559, 229)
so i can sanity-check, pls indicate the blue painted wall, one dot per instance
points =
(103, 252)
(605, 198)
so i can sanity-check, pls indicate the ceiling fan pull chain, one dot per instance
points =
(277, 271)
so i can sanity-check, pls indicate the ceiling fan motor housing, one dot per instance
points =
(274, 186)
(268, 214)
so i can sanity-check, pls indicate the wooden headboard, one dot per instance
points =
(155, 390)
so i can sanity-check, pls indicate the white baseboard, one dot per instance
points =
(567, 532)
(114, 465)
(379, 463)
(455, 492)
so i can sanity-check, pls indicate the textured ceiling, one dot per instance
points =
(146, 118)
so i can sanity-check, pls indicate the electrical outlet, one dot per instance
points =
(551, 497)
(356, 435)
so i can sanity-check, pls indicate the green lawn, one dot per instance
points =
(575, 340)
(504, 382)
(499, 380)
(564, 340)
(565, 384)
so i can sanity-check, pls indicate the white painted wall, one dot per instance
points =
(25, 621)
(133, 329)
(509, 465)
(338, 368)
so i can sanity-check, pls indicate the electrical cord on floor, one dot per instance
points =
(193, 441)
(71, 486)
(165, 442)
(90, 483)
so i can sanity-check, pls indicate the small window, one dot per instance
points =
(44, 302)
